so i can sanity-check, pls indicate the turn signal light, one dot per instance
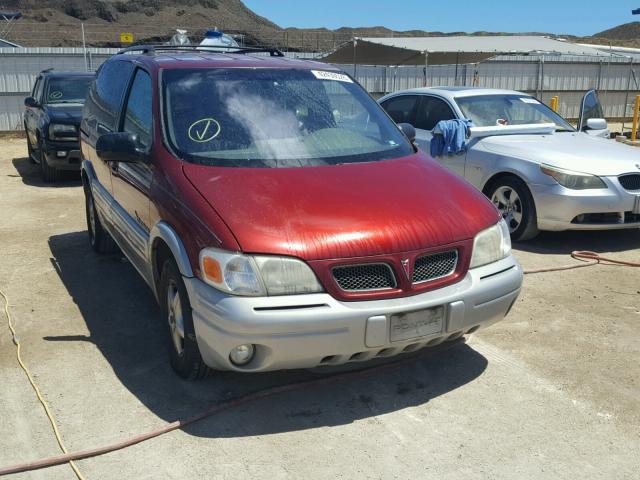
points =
(212, 269)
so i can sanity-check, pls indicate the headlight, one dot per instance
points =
(60, 130)
(491, 245)
(573, 180)
(248, 275)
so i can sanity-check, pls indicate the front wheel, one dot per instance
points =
(49, 174)
(512, 198)
(176, 310)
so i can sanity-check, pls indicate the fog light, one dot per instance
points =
(61, 153)
(242, 354)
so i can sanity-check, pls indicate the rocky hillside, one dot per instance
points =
(58, 23)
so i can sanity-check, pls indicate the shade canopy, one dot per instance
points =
(449, 50)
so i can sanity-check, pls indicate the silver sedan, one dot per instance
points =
(538, 170)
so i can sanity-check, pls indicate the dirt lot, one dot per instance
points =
(551, 392)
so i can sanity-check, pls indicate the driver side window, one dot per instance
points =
(430, 111)
(138, 118)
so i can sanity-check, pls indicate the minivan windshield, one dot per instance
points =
(67, 90)
(275, 118)
(492, 110)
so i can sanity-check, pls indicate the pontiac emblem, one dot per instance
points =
(405, 267)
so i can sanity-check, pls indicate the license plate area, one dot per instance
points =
(636, 205)
(416, 324)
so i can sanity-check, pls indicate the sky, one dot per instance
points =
(551, 16)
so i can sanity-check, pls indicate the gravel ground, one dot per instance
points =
(551, 392)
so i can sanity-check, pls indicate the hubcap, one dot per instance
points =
(175, 317)
(509, 204)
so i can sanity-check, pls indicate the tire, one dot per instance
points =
(30, 154)
(512, 198)
(176, 312)
(99, 238)
(49, 174)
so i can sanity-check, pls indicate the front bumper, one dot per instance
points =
(71, 160)
(559, 208)
(305, 331)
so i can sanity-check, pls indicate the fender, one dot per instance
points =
(164, 231)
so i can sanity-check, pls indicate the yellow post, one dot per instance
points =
(554, 103)
(636, 110)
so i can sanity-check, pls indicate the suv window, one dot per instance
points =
(37, 89)
(67, 90)
(401, 108)
(138, 113)
(275, 118)
(110, 86)
(431, 111)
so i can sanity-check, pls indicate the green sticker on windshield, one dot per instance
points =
(56, 94)
(204, 130)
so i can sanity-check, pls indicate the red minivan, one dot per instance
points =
(281, 218)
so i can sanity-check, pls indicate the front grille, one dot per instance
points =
(434, 266)
(369, 276)
(630, 182)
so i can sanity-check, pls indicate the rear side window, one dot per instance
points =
(138, 112)
(110, 85)
(431, 111)
(401, 108)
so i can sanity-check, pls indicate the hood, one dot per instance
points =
(65, 113)
(344, 211)
(569, 150)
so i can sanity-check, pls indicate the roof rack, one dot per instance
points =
(152, 49)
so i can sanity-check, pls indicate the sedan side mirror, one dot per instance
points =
(121, 147)
(31, 102)
(596, 124)
(408, 131)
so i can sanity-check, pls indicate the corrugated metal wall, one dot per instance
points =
(543, 77)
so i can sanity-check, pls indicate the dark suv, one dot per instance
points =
(281, 218)
(52, 118)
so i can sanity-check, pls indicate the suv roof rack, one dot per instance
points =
(152, 49)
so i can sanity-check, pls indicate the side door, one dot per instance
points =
(429, 112)
(131, 182)
(591, 119)
(31, 114)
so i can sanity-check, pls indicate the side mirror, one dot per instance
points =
(31, 102)
(596, 124)
(408, 131)
(121, 147)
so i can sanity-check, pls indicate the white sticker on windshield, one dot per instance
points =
(529, 100)
(324, 75)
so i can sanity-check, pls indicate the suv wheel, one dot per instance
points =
(513, 199)
(100, 240)
(30, 153)
(176, 310)
(49, 174)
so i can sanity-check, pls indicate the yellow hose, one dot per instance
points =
(35, 387)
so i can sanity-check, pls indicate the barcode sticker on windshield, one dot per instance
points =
(529, 100)
(324, 75)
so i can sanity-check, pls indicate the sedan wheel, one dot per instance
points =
(509, 204)
(512, 198)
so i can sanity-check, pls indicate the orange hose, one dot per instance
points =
(590, 259)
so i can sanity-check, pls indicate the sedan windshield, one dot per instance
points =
(492, 110)
(275, 118)
(67, 90)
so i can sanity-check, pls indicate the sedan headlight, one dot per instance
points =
(573, 180)
(59, 130)
(491, 245)
(257, 275)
